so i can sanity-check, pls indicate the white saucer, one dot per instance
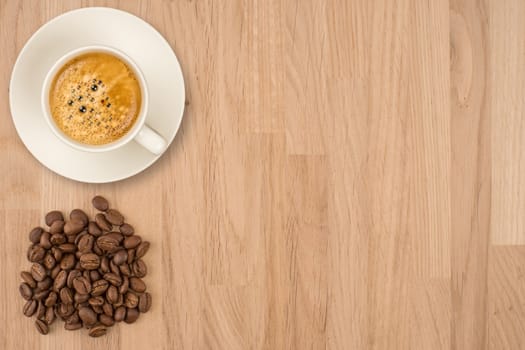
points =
(83, 27)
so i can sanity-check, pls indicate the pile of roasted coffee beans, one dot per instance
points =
(86, 272)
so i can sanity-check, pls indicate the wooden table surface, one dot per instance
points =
(348, 175)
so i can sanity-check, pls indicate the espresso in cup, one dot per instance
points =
(95, 98)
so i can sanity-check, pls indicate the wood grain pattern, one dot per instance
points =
(347, 176)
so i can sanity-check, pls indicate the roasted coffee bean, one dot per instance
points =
(68, 262)
(114, 217)
(72, 326)
(57, 238)
(113, 278)
(124, 286)
(82, 285)
(96, 301)
(97, 250)
(93, 229)
(25, 291)
(131, 255)
(30, 308)
(51, 299)
(68, 247)
(73, 227)
(79, 215)
(139, 268)
(85, 243)
(108, 242)
(131, 315)
(126, 229)
(37, 253)
(120, 257)
(131, 300)
(34, 235)
(142, 249)
(120, 301)
(66, 309)
(71, 276)
(46, 283)
(41, 327)
(26, 276)
(144, 302)
(41, 294)
(57, 253)
(120, 313)
(73, 318)
(38, 272)
(125, 270)
(114, 267)
(66, 295)
(57, 227)
(81, 298)
(90, 261)
(94, 275)
(87, 315)
(100, 203)
(40, 310)
(71, 238)
(108, 309)
(97, 331)
(97, 309)
(99, 287)
(77, 265)
(137, 285)
(49, 316)
(104, 264)
(45, 240)
(132, 242)
(106, 320)
(102, 222)
(53, 216)
(49, 261)
(54, 272)
(112, 295)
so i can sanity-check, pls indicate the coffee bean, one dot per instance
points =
(26, 276)
(73, 318)
(45, 240)
(113, 278)
(104, 264)
(57, 227)
(68, 247)
(66, 295)
(142, 249)
(120, 301)
(89, 261)
(71, 276)
(94, 275)
(54, 272)
(114, 217)
(131, 300)
(96, 301)
(97, 331)
(139, 268)
(97, 309)
(72, 238)
(41, 327)
(120, 313)
(57, 238)
(132, 242)
(25, 291)
(49, 316)
(144, 302)
(41, 294)
(65, 310)
(51, 299)
(125, 270)
(73, 227)
(78, 214)
(124, 286)
(93, 229)
(72, 326)
(102, 222)
(46, 283)
(37, 253)
(30, 308)
(82, 285)
(85, 243)
(34, 235)
(38, 272)
(57, 253)
(114, 267)
(126, 229)
(97, 250)
(68, 262)
(131, 315)
(81, 298)
(53, 216)
(108, 309)
(40, 310)
(137, 285)
(49, 261)
(112, 295)
(99, 287)
(131, 255)
(100, 203)
(120, 257)
(108, 242)
(87, 315)
(106, 320)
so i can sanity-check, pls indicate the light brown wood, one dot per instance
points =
(347, 176)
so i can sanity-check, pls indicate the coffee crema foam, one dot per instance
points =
(95, 98)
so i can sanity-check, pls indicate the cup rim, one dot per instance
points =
(59, 63)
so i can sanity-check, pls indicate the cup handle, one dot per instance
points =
(150, 140)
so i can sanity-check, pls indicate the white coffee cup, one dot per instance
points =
(139, 132)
